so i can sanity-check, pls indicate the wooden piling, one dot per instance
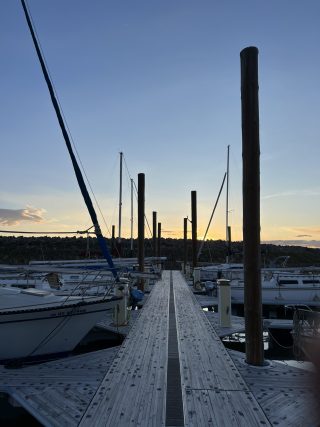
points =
(131, 221)
(141, 203)
(154, 233)
(119, 245)
(194, 227)
(185, 243)
(251, 206)
(159, 241)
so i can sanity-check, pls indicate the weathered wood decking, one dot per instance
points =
(128, 385)
(57, 393)
(214, 393)
(134, 390)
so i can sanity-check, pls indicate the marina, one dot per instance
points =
(128, 385)
(152, 331)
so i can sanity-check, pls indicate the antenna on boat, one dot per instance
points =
(82, 185)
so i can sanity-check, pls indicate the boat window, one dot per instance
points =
(310, 281)
(288, 282)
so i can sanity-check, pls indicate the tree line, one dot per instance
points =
(21, 250)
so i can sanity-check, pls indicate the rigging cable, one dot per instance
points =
(49, 232)
(205, 235)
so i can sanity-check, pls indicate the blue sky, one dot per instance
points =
(160, 81)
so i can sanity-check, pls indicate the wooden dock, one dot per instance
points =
(172, 370)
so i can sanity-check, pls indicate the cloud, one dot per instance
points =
(306, 231)
(304, 235)
(16, 216)
(290, 193)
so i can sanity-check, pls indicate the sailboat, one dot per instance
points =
(36, 322)
(280, 286)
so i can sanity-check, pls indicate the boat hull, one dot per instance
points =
(47, 330)
(281, 295)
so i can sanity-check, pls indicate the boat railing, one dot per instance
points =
(84, 285)
(293, 278)
(306, 330)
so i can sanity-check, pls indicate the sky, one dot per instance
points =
(160, 81)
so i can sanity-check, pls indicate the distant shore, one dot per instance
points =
(21, 250)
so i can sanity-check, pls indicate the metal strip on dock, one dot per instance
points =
(174, 404)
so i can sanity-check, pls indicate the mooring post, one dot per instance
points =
(120, 313)
(185, 243)
(131, 220)
(224, 303)
(141, 201)
(159, 243)
(251, 206)
(154, 233)
(194, 227)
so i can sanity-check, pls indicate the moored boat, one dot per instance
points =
(279, 286)
(36, 322)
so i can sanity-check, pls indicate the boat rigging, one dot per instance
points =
(78, 173)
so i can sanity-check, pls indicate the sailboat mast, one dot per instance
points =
(227, 201)
(227, 206)
(120, 204)
(76, 168)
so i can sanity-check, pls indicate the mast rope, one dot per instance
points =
(214, 209)
(49, 232)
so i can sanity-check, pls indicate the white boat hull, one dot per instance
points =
(47, 330)
(276, 295)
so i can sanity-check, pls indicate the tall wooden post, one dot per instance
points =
(154, 233)
(185, 243)
(141, 199)
(159, 241)
(251, 206)
(119, 245)
(113, 240)
(131, 220)
(194, 227)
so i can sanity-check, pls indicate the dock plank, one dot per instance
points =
(285, 393)
(134, 387)
(214, 391)
(237, 324)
